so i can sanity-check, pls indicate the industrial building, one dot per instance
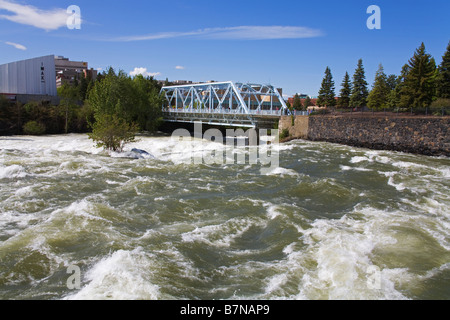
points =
(70, 71)
(37, 79)
(29, 77)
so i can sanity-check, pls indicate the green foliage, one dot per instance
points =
(297, 103)
(326, 92)
(284, 134)
(443, 77)
(346, 90)
(113, 133)
(34, 128)
(307, 103)
(359, 88)
(419, 85)
(441, 103)
(378, 96)
(132, 99)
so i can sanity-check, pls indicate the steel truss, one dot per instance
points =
(223, 103)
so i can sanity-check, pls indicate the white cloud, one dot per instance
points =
(16, 45)
(234, 33)
(32, 16)
(180, 68)
(144, 72)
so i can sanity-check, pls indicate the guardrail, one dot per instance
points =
(226, 111)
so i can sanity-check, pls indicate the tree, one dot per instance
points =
(359, 89)
(392, 81)
(307, 103)
(378, 96)
(132, 103)
(69, 95)
(443, 78)
(112, 132)
(326, 92)
(419, 85)
(346, 90)
(297, 104)
(394, 95)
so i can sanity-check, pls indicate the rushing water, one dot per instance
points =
(332, 222)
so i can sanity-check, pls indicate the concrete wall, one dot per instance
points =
(297, 129)
(420, 135)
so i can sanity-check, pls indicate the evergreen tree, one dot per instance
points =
(378, 96)
(394, 96)
(419, 86)
(443, 78)
(359, 90)
(392, 81)
(346, 90)
(307, 103)
(326, 92)
(297, 105)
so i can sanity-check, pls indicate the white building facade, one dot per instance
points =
(29, 77)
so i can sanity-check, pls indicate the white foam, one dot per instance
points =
(359, 159)
(220, 235)
(347, 168)
(125, 275)
(282, 171)
(342, 250)
(12, 172)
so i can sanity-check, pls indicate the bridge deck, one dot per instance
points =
(264, 119)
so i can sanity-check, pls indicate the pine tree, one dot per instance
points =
(326, 92)
(297, 105)
(419, 85)
(346, 90)
(392, 81)
(443, 78)
(394, 96)
(359, 91)
(378, 96)
(307, 103)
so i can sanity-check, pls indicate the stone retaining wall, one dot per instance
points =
(420, 135)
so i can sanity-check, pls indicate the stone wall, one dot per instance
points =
(298, 129)
(421, 135)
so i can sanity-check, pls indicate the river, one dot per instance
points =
(330, 222)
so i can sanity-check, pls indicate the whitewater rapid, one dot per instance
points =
(330, 222)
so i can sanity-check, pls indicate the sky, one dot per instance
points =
(287, 44)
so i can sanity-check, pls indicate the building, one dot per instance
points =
(71, 71)
(302, 99)
(29, 77)
(37, 79)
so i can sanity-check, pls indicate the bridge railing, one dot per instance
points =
(225, 111)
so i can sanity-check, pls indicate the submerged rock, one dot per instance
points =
(140, 154)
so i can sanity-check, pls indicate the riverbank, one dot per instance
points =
(426, 135)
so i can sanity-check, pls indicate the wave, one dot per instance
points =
(12, 172)
(124, 275)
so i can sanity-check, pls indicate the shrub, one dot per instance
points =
(34, 128)
(284, 134)
(113, 133)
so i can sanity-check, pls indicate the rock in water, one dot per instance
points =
(141, 154)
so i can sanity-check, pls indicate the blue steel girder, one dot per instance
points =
(213, 98)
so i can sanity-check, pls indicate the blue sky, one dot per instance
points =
(286, 43)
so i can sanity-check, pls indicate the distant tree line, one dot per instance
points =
(421, 84)
(114, 98)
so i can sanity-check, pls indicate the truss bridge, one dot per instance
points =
(225, 104)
